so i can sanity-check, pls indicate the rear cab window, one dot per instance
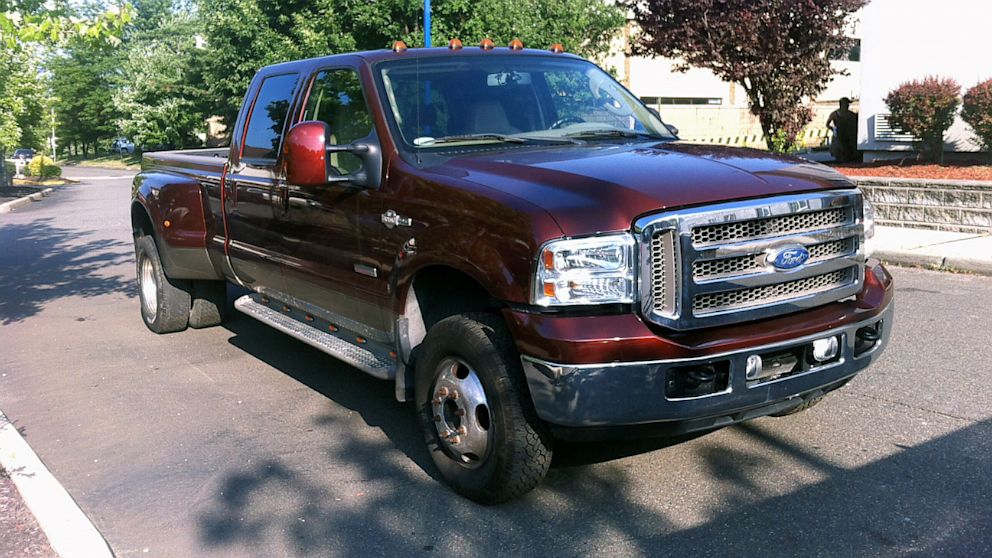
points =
(267, 120)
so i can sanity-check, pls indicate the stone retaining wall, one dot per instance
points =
(945, 205)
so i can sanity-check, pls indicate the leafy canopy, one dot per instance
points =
(977, 112)
(244, 35)
(925, 108)
(777, 50)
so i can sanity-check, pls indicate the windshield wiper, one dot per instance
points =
(472, 137)
(611, 133)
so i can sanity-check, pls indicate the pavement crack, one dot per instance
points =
(969, 420)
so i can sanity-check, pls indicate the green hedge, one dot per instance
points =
(43, 167)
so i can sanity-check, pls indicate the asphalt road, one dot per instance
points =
(240, 441)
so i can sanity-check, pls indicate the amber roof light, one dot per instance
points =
(557, 48)
(487, 44)
(455, 44)
(516, 44)
(399, 46)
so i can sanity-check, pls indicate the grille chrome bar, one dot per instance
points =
(716, 270)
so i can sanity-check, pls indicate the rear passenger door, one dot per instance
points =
(251, 182)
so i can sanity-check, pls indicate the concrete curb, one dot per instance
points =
(970, 265)
(20, 202)
(69, 531)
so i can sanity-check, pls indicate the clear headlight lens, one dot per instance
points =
(596, 270)
(869, 224)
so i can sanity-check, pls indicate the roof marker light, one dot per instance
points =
(399, 46)
(557, 48)
(487, 44)
(455, 44)
(516, 44)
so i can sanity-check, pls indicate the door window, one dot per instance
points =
(267, 121)
(336, 98)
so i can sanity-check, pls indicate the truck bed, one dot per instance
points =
(209, 160)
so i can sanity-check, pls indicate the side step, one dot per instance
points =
(317, 333)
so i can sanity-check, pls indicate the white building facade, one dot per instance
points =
(903, 40)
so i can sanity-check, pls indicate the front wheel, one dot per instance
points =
(480, 426)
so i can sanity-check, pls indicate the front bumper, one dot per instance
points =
(634, 393)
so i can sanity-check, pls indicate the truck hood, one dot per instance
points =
(605, 187)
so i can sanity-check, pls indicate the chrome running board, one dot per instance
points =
(369, 357)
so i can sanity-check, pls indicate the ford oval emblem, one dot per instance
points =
(787, 257)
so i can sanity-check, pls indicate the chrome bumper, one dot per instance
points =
(634, 393)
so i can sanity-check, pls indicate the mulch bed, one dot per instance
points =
(947, 171)
(20, 535)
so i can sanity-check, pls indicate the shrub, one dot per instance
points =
(977, 112)
(43, 167)
(925, 109)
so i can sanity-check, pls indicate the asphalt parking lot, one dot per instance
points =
(240, 441)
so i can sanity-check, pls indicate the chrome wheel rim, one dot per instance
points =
(149, 288)
(461, 412)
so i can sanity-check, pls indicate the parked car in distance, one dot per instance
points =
(24, 154)
(522, 247)
(122, 146)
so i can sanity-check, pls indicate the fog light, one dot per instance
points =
(753, 367)
(825, 349)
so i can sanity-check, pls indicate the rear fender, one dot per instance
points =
(180, 219)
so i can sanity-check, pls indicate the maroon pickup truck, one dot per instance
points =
(522, 246)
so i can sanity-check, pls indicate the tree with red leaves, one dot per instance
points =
(926, 109)
(777, 50)
(977, 112)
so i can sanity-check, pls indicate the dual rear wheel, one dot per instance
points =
(169, 305)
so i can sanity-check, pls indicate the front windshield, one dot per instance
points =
(461, 101)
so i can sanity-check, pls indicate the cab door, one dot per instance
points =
(251, 197)
(319, 224)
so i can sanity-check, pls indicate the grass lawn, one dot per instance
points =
(114, 161)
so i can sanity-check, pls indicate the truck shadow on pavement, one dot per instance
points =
(930, 499)
(40, 262)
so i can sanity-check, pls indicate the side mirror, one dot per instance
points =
(672, 129)
(307, 162)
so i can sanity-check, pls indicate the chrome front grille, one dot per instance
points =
(743, 298)
(664, 272)
(774, 226)
(753, 263)
(709, 266)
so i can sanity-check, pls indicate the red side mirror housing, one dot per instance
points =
(306, 153)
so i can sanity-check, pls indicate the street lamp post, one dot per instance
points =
(427, 23)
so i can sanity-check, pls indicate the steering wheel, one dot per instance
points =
(567, 120)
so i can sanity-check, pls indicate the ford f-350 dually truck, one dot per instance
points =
(522, 246)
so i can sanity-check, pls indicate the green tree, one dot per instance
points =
(82, 83)
(244, 35)
(27, 29)
(160, 93)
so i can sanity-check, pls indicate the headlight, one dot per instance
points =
(596, 270)
(869, 225)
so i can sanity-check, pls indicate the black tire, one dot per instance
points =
(169, 311)
(811, 402)
(519, 445)
(208, 303)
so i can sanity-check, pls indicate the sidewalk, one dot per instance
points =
(938, 249)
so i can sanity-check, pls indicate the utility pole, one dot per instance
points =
(427, 23)
(55, 157)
